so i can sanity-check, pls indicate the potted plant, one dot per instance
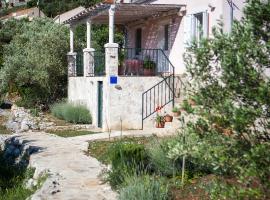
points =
(149, 67)
(168, 118)
(176, 112)
(160, 122)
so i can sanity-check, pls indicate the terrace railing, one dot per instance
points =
(96, 64)
(143, 62)
(99, 64)
(158, 96)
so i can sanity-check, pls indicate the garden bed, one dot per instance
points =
(212, 168)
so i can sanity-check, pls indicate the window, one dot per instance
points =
(166, 37)
(195, 27)
(198, 26)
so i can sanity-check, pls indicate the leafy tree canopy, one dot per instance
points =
(51, 8)
(35, 62)
(229, 76)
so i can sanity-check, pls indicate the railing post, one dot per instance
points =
(71, 57)
(88, 62)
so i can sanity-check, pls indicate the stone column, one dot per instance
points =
(111, 65)
(71, 56)
(88, 62)
(111, 59)
(88, 53)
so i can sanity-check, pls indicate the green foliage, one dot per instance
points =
(187, 107)
(101, 149)
(7, 32)
(69, 112)
(159, 119)
(175, 109)
(127, 158)
(158, 158)
(35, 63)
(12, 181)
(51, 8)
(221, 189)
(228, 73)
(149, 64)
(144, 187)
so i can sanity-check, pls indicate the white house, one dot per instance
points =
(125, 86)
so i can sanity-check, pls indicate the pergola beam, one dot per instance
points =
(125, 13)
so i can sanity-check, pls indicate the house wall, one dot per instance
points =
(153, 35)
(120, 102)
(83, 91)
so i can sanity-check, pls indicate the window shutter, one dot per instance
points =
(188, 33)
(205, 24)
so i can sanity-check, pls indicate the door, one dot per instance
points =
(138, 42)
(100, 104)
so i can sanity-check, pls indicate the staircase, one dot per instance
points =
(164, 92)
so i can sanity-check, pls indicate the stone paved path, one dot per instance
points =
(73, 175)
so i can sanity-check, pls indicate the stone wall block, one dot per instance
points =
(71, 57)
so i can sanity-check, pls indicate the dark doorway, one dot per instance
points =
(100, 104)
(138, 41)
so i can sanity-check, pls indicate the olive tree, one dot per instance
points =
(35, 63)
(229, 75)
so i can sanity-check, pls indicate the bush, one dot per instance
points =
(142, 188)
(158, 157)
(38, 70)
(127, 158)
(77, 114)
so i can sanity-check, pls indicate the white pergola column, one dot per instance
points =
(71, 56)
(71, 39)
(88, 34)
(111, 23)
(88, 53)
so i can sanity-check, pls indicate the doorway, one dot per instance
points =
(100, 104)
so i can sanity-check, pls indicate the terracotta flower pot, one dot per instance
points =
(168, 118)
(148, 72)
(160, 124)
(177, 114)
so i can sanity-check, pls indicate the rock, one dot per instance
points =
(12, 125)
(31, 183)
(24, 125)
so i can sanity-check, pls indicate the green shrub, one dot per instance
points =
(127, 158)
(69, 112)
(127, 153)
(158, 157)
(144, 188)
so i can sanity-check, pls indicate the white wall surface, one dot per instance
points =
(220, 13)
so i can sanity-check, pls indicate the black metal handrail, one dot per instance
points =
(157, 97)
(144, 62)
(162, 93)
